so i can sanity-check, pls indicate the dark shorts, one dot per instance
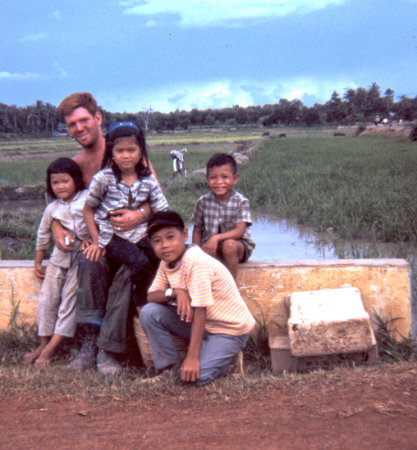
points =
(246, 251)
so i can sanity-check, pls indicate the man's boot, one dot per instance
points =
(86, 358)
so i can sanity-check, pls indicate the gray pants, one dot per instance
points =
(217, 350)
(104, 302)
(57, 301)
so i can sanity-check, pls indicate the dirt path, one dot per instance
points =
(375, 410)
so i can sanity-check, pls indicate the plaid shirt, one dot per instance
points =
(214, 218)
(106, 194)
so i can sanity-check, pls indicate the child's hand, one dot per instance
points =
(39, 271)
(211, 245)
(63, 240)
(93, 252)
(85, 243)
(190, 369)
(184, 309)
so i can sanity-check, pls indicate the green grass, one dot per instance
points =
(361, 187)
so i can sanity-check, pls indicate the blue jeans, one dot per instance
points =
(160, 321)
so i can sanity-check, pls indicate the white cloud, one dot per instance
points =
(34, 37)
(197, 13)
(19, 76)
(59, 70)
(55, 15)
(223, 93)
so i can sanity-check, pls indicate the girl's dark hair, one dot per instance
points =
(64, 165)
(120, 130)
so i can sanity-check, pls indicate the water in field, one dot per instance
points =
(282, 239)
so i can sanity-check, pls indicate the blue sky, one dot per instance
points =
(183, 54)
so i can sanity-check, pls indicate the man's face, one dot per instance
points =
(169, 243)
(83, 126)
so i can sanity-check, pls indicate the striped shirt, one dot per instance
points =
(214, 218)
(106, 194)
(210, 285)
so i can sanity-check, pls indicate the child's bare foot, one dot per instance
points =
(31, 357)
(43, 360)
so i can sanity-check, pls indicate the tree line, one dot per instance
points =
(361, 105)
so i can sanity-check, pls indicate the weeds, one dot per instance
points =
(14, 309)
(391, 348)
(257, 351)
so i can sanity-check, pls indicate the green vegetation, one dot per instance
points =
(355, 105)
(362, 188)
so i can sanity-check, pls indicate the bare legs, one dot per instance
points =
(232, 254)
(41, 356)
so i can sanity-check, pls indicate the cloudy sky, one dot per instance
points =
(182, 54)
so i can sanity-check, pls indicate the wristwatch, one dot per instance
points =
(169, 292)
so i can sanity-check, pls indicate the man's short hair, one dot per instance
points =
(221, 159)
(77, 100)
(164, 219)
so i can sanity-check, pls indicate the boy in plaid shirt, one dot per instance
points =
(222, 217)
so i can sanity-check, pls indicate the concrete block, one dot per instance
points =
(329, 321)
(281, 357)
(283, 360)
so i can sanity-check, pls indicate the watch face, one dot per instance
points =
(168, 293)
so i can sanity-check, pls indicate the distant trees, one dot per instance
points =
(41, 118)
(354, 106)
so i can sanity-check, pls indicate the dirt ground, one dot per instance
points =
(350, 409)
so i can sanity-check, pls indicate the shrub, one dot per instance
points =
(413, 133)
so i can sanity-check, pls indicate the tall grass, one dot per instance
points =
(360, 187)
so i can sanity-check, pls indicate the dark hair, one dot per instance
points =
(221, 159)
(77, 100)
(64, 165)
(164, 219)
(120, 130)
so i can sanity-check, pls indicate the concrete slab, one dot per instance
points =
(328, 321)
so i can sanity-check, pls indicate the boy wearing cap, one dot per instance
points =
(193, 296)
(222, 217)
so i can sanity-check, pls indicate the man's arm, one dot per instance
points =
(190, 369)
(236, 233)
(61, 236)
(126, 219)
